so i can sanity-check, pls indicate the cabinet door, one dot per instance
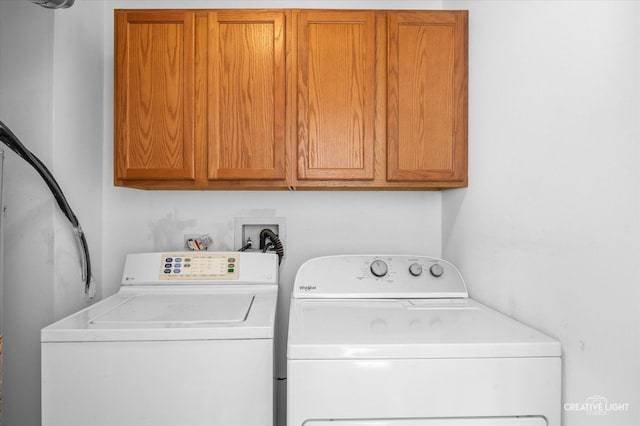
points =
(154, 95)
(336, 94)
(246, 95)
(427, 96)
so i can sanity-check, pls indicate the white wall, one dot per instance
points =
(78, 143)
(548, 230)
(51, 97)
(26, 65)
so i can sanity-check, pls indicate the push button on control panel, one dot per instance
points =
(200, 266)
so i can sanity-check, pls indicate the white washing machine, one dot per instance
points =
(396, 341)
(188, 341)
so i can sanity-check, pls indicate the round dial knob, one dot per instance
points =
(379, 268)
(415, 269)
(436, 270)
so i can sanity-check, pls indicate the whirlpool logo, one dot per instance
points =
(308, 287)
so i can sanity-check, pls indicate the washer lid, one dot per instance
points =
(173, 313)
(404, 328)
(178, 308)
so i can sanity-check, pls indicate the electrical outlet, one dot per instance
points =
(250, 227)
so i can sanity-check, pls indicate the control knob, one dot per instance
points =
(379, 268)
(436, 270)
(415, 269)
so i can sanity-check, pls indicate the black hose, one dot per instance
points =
(12, 141)
(275, 241)
(247, 246)
(268, 246)
(87, 260)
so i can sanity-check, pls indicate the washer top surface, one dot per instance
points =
(386, 307)
(240, 307)
(179, 309)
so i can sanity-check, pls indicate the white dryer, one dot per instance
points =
(188, 340)
(396, 341)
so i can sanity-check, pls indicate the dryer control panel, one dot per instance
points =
(379, 276)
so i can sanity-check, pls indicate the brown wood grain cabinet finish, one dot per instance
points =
(247, 95)
(427, 92)
(154, 96)
(336, 94)
(276, 99)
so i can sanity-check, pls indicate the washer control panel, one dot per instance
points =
(378, 276)
(192, 267)
(199, 266)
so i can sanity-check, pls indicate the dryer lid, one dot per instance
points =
(405, 328)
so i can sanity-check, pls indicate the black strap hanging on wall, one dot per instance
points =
(54, 4)
(12, 141)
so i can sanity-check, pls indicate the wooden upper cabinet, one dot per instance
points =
(154, 95)
(427, 96)
(325, 99)
(247, 89)
(336, 94)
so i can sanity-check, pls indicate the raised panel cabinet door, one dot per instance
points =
(246, 95)
(336, 95)
(427, 96)
(154, 95)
